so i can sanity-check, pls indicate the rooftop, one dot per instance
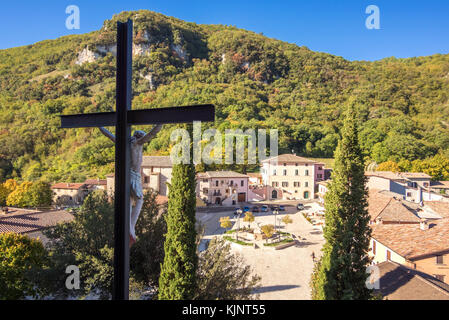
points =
(398, 175)
(409, 241)
(398, 282)
(291, 158)
(157, 161)
(439, 207)
(96, 182)
(65, 185)
(439, 184)
(34, 221)
(221, 174)
(389, 209)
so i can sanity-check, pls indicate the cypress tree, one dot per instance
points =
(177, 280)
(341, 272)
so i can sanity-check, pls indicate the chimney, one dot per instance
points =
(423, 225)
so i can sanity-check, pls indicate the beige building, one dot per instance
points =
(292, 176)
(69, 193)
(423, 247)
(222, 187)
(156, 172)
(412, 186)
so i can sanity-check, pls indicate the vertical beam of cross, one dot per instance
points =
(122, 161)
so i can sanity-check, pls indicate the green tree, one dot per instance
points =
(286, 219)
(223, 275)
(249, 217)
(20, 197)
(86, 242)
(225, 222)
(177, 279)
(147, 254)
(40, 194)
(19, 256)
(388, 166)
(268, 230)
(342, 270)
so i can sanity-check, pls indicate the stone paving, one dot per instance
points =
(285, 273)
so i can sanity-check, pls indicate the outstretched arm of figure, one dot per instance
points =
(107, 133)
(150, 135)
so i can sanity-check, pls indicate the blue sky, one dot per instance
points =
(407, 28)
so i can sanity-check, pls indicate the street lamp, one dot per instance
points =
(275, 212)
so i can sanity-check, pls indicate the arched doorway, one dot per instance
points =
(274, 194)
(217, 200)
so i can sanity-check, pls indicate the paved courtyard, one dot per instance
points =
(285, 273)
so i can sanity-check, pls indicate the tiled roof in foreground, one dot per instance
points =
(34, 221)
(398, 282)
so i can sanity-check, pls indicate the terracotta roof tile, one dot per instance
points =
(398, 282)
(65, 185)
(409, 241)
(290, 158)
(29, 222)
(96, 182)
(156, 161)
(439, 207)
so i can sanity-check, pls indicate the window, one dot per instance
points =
(307, 172)
(320, 168)
(296, 164)
(296, 172)
(409, 194)
(306, 194)
(374, 247)
(306, 184)
(145, 180)
(285, 184)
(285, 172)
(439, 277)
(296, 184)
(242, 183)
(274, 184)
(319, 176)
(439, 259)
(274, 172)
(216, 183)
(388, 255)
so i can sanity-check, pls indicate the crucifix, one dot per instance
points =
(122, 119)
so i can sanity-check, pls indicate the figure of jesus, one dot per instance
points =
(137, 141)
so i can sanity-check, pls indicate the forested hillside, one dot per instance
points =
(254, 81)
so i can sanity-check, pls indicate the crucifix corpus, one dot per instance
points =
(128, 150)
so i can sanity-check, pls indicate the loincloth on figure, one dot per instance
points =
(136, 184)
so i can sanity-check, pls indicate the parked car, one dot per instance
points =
(264, 208)
(281, 208)
(255, 209)
(245, 209)
(300, 206)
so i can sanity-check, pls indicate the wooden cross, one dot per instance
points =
(122, 119)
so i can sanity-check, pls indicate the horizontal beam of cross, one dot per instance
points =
(140, 117)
